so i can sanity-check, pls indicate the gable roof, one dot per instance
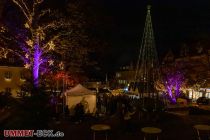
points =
(79, 90)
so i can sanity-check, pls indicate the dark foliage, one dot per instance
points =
(5, 99)
(198, 111)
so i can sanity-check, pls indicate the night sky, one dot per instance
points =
(174, 22)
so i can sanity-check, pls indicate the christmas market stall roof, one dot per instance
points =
(80, 94)
(79, 90)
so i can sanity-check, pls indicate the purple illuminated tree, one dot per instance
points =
(173, 82)
(40, 37)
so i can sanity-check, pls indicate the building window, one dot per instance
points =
(11, 60)
(8, 75)
(22, 75)
(8, 90)
(208, 95)
(118, 75)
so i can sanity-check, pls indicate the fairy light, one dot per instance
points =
(51, 62)
(51, 45)
(27, 66)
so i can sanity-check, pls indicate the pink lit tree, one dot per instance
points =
(173, 82)
(39, 38)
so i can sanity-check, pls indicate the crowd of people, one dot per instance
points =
(109, 104)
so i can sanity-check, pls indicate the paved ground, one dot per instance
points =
(175, 125)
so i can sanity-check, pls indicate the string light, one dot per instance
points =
(27, 66)
(3, 53)
(51, 62)
(26, 25)
(36, 48)
(61, 65)
(26, 56)
(51, 45)
(29, 42)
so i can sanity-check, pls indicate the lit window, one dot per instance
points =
(8, 75)
(118, 75)
(208, 95)
(22, 75)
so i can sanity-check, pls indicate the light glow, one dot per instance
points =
(173, 83)
(27, 66)
(29, 43)
(51, 45)
(51, 62)
(8, 79)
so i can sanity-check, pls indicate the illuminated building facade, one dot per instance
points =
(125, 75)
(11, 78)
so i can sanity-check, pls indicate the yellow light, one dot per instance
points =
(27, 66)
(51, 62)
(8, 79)
(51, 45)
(29, 42)
(22, 80)
(26, 25)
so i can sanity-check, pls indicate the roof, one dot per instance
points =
(79, 90)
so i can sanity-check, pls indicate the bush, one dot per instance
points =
(5, 99)
(34, 111)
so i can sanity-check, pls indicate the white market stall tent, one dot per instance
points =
(80, 94)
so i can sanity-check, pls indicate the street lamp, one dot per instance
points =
(61, 65)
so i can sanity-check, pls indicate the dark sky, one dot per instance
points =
(175, 22)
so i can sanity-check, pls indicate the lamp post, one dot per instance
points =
(61, 65)
(63, 95)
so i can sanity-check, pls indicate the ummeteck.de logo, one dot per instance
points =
(32, 133)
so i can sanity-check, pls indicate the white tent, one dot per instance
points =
(80, 94)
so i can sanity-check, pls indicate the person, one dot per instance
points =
(99, 104)
(127, 120)
(79, 112)
(85, 105)
(66, 109)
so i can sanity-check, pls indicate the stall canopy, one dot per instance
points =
(80, 94)
(79, 90)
